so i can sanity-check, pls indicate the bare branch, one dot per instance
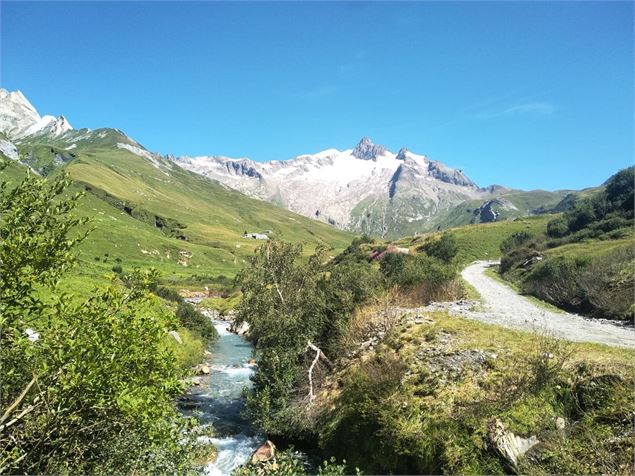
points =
(17, 401)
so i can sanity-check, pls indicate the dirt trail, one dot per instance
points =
(503, 306)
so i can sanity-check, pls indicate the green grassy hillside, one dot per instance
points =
(482, 241)
(507, 205)
(146, 211)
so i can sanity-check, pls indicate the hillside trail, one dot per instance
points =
(505, 307)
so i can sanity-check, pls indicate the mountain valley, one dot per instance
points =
(367, 189)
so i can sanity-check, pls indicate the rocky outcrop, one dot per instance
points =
(242, 168)
(9, 149)
(401, 155)
(449, 175)
(266, 452)
(508, 446)
(490, 210)
(366, 150)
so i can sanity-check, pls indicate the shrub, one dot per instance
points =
(515, 240)
(168, 294)
(445, 248)
(195, 321)
(117, 269)
(392, 265)
(557, 227)
(516, 257)
(554, 280)
(619, 189)
(581, 216)
(601, 286)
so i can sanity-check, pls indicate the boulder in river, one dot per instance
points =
(202, 369)
(266, 452)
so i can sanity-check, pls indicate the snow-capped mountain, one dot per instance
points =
(18, 118)
(367, 188)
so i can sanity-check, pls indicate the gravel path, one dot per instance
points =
(503, 306)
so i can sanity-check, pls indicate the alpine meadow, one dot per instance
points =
(317, 238)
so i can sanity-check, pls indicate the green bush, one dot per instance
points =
(407, 271)
(445, 248)
(558, 227)
(517, 239)
(613, 206)
(289, 302)
(516, 257)
(392, 265)
(195, 321)
(619, 189)
(601, 286)
(168, 294)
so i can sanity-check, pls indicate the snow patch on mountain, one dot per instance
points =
(9, 149)
(154, 160)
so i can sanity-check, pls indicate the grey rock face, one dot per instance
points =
(366, 150)
(242, 168)
(401, 155)
(490, 210)
(449, 175)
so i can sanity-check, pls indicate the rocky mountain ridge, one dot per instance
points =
(365, 189)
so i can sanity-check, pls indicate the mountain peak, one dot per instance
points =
(401, 155)
(366, 150)
(18, 117)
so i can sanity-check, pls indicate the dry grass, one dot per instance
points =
(426, 293)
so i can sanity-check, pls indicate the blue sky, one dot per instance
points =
(529, 95)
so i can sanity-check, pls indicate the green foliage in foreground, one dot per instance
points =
(286, 463)
(87, 386)
(422, 402)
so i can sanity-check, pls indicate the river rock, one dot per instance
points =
(560, 423)
(202, 369)
(508, 446)
(240, 328)
(266, 452)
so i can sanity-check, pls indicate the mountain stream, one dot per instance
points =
(218, 402)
